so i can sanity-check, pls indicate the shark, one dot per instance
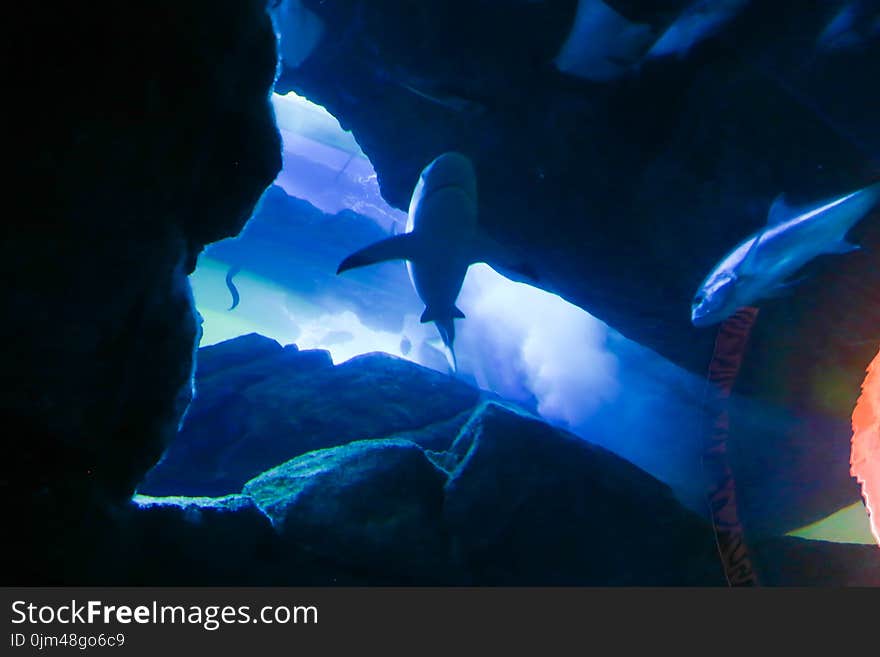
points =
(762, 266)
(439, 242)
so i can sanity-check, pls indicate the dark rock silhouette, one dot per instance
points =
(523, 489)
(374, 505)
(140, 133)
(788, 561)
(250, 416)
(510, 501)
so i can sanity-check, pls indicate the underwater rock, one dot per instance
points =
(530, 504)
(512, 502)
(195, 542)
(655, 12)
(179, 541)
(466, 493)
(300, 29)
(374, 504)
(225, 355)
(437, 436)
(788, 561)
(135, 152)
(248, 418)
(792, 468)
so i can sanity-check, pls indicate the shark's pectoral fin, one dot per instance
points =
(398, 247)
(844, 247)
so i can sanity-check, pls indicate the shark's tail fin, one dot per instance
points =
(447, 351)
(446, 328)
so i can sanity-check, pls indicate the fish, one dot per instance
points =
(438, 244)
(763, 265)
(233, 291)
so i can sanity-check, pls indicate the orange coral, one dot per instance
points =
(865, 457)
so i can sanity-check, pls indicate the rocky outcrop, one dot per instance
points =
(529, 504)
(250, 416)
(512, 501)
(374, 506)
(489, 495)
(387, 472)
(133, 151)
(787, 561)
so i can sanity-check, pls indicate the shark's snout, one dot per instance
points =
(448, 170)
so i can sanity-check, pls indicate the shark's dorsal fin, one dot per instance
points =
(398, 247)
(780, 211)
